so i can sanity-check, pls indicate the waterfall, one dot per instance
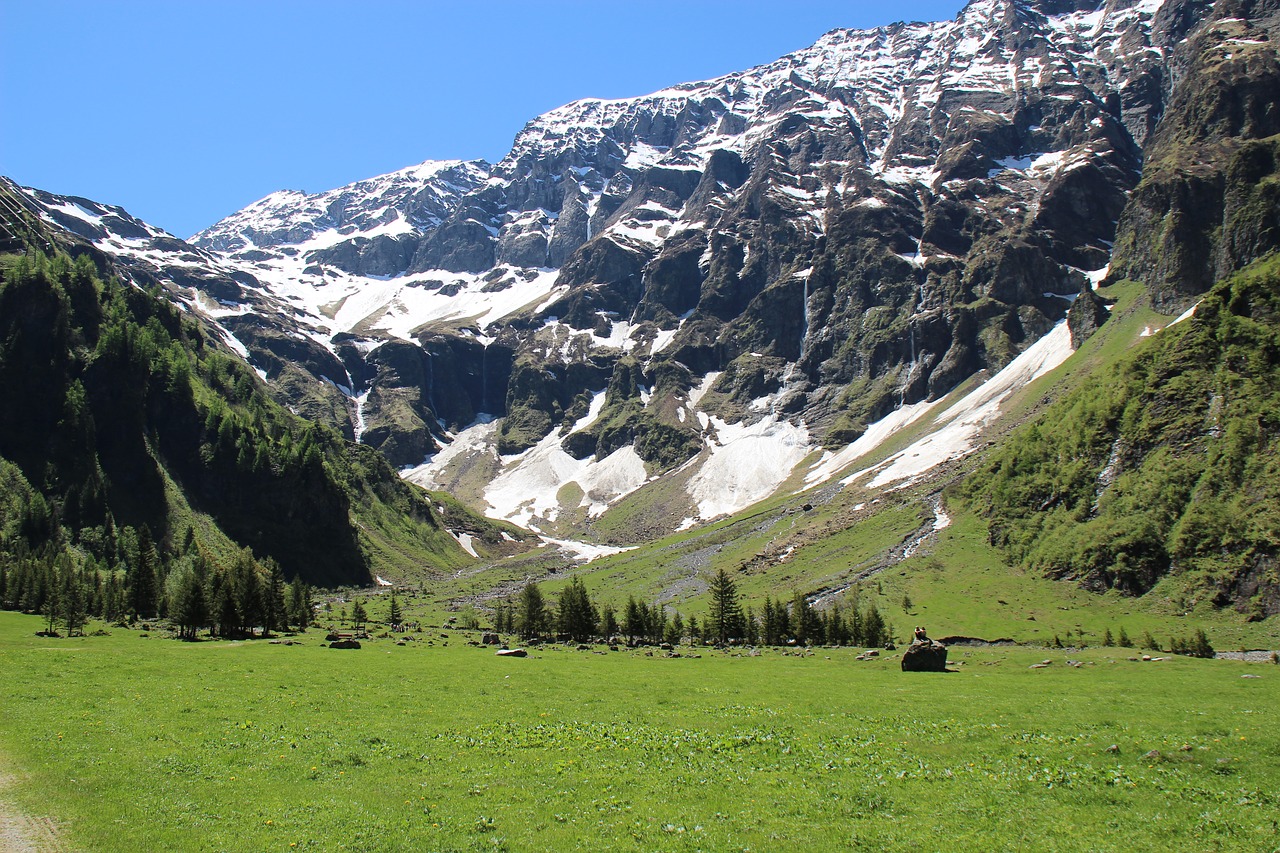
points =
(431, 384)
(911, 369)
(359, 425)
(804, 324)
(484, 380)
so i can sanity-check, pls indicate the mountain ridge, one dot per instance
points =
(773, 262)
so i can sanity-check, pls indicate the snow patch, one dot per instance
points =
(747, 463)
(585, 551)
(960, 424)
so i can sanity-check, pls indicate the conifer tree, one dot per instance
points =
(608, 621)
(725, 617)
(273, 618)
(633, 620)
(675, 629)
(531, 612)
(804, 621)
(873, 627)
(143, 579)
(394, 616)
(71, 603)
(752, 628)
(575, 614)
(190, 603)
(299, 608)
(358, 614)
(247, 591)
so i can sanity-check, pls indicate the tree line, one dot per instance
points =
(236, 598)
(575, 617)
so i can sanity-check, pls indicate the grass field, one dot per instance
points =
(127, 742)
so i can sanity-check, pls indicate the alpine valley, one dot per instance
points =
(1003, 289)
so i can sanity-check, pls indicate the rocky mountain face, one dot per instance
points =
(689, 293)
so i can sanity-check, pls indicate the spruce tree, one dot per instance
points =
(273, 618)
(608, 621)
(247, 591)
(675, 629)
(143, 579)
(71, 603)
(725, 617)
(633, 620)
(358, 614)
(299, 608)
(394, 616)
(190, 604)
(531, 612)
(575, 614)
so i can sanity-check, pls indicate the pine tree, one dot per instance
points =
(247, 591)
(273, 603)
(394, 616)
(1124, 640)
(143, 579)
(71, 603)
(769, 633)
(225, 612)
(300, 606)
(633, 620)
(752, 628)
(575, 615)
(531, 612)
(725, 617)
(358, 614)
(608, 621)
(190, 603)
(1107, 639)
(804, 620)
(873, 627)
(675, 629)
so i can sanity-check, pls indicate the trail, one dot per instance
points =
(19, 831)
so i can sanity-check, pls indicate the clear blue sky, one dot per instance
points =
(184, 111)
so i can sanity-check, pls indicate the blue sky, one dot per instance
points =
(184, 111)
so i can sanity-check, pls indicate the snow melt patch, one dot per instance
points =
(747, 463)
(466, 541)
(960, 424)
(585, 551)
(530, 483)
(877, 434)
(475, 439)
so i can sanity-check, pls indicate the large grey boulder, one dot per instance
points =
(925, 655)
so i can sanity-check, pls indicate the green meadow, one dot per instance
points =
(130, 742)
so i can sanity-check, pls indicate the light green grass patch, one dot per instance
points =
(253, 746)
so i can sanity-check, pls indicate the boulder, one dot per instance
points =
(925, 656)
(512, 653)
(345, 644)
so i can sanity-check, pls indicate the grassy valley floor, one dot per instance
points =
(439, 745)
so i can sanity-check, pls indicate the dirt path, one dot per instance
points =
(19, 831)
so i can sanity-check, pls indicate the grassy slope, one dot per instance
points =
(219, 746)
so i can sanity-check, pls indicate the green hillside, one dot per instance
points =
(126, 428)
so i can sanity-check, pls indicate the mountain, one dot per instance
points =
(125, 414)
(835, 269)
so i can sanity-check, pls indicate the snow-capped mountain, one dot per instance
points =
(705, 286)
